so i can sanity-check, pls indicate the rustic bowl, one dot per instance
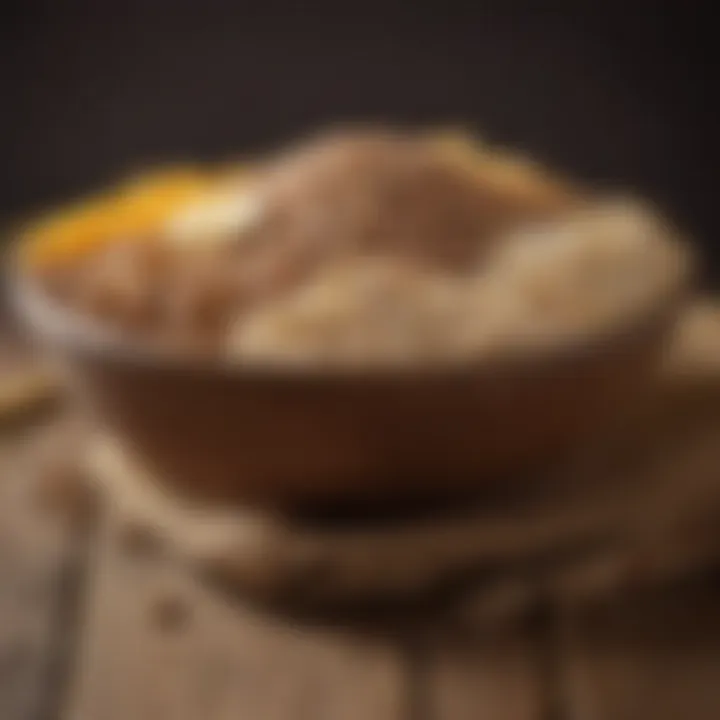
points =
(286, 439)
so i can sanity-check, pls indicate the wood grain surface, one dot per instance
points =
(160, 645)
(40, 576)
(40, 553)
(145, 638)
(656, 656)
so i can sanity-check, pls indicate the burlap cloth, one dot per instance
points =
(640, 508)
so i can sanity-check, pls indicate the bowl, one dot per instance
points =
(251, 435)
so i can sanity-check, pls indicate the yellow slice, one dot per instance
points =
(134, 210)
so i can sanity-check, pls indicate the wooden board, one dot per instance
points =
(40, 571)
(490, 677)
(654, 657)
(41, 552)
(158, 644)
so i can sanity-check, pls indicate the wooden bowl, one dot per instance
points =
(287, 439)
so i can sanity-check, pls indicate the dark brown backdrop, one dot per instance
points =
(95, 88)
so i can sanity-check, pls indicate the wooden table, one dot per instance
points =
(91, 628)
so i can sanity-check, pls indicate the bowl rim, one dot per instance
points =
(69, 330)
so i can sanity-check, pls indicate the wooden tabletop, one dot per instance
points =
(95, 628)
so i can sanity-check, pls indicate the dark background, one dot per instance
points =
(613, 93)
